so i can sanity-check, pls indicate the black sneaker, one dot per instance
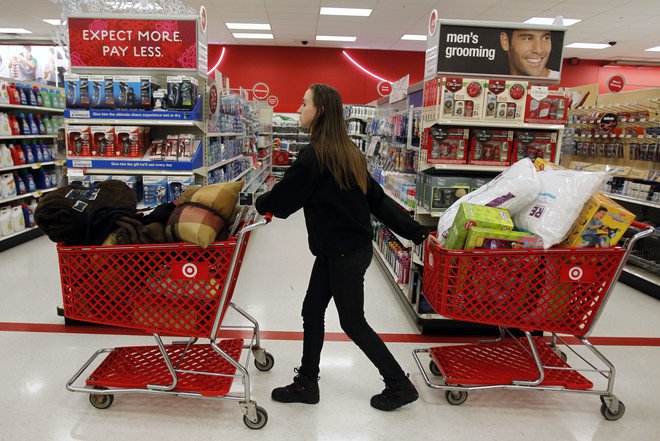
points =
(302, 390)
(396, 394)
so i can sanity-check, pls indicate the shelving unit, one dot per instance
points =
(53, 167)
(622, 148)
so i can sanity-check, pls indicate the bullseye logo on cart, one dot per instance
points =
(190, 271)
(577, 274)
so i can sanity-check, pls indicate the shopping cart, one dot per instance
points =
(170, 289)
(559, 291)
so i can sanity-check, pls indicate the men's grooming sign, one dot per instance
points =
(133, 43)
(504, 50)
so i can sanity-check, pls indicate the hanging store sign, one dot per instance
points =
(503, 50)
(273, 101)
(384, 88)
(133, 43)
(260, 91)
(616, 83)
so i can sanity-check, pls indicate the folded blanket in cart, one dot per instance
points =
(77, 215)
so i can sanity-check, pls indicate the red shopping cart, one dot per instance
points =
(170, 289)
(559, 291)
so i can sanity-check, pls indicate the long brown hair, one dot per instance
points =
(333, 147)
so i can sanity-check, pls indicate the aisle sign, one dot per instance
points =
(616, 83)
(260, 91)
(273, 101)
(384, 88)
(133, 43)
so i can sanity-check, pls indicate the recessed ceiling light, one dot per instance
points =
(254, 36)
(549, 21)
(14, 31)
(334, 38)
(53, 21)
(653, 49)
(250, 26)
(414, 37)
(588, 45)
(354, 12)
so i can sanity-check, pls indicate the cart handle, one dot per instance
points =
(640, 225)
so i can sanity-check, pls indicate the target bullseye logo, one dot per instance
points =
(190, 271)
(575, 273)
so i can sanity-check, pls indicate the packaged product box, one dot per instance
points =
(126, 92)
(176, 185)
(172, 148)
(95, 179)
(103, 141)
(78, 141)
(97, 91)
(85, 180)
(155, 190)
(146, 89)
(488, 238)
(469, 216)
(443, 191)
(476, 183)
(186, 147)
(505, 100)
(420, 182)
(77, 91)
(490, 146)
(446, 145)
(462, 98)
(534, 144)
(546, 105)
(601, 223)
(128, 141)
(181, 92)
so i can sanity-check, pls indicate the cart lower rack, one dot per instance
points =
(559, 291)
(169, 289)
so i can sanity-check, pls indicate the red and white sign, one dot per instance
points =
(202, 19)
(273, 101)
(190, 271)
(384, 88)
(213, 99)
(260, 91)
(133, 43)
(616, 83)
(433, 22)
(577, 274)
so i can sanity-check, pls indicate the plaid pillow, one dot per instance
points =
(191, 222)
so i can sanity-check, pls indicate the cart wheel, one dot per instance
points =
(268, 365)
(612, 416)
(262, 419)
(456, 397)
(434, 368)
(101, 401)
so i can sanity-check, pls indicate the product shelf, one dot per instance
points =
(34, 194)
(397, 200)
(35, 108)
(243, 173)
(224, 162)
(181, 118)
(33, 165)
(494, 124)
(403, 288)
(227, 134)
(623, 198)
(463, 167)
(10, 137)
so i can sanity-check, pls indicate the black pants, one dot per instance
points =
(342, 278)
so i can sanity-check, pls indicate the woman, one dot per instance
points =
(330, 181)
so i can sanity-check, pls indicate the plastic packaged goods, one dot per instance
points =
(563, 194)
(6, 226)
(8, 185)
(5, 156)
(512, 190)
(17, 219)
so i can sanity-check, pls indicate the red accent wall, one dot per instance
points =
(288, 71)
(595, 71)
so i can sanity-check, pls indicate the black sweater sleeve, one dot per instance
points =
(297, 185)
(391, 214)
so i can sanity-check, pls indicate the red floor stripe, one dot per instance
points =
(296, 335)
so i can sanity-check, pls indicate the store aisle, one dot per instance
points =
(40, 355)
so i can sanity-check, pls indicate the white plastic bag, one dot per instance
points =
(512, 190)
(563, 193)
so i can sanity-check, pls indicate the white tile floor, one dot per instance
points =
(36, 365)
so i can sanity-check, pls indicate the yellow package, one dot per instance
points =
(601, 223)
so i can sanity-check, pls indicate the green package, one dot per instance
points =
(471, 215)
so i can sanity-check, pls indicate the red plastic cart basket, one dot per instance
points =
(560, 291)
(177, 289)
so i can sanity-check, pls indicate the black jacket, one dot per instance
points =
(337, 220)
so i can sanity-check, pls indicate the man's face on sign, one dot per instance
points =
(528, 51)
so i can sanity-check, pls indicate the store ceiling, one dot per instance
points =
(633, 24)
